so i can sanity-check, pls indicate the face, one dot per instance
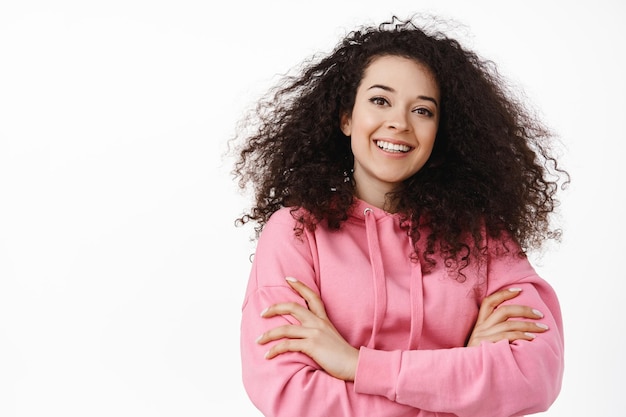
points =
(393, 125)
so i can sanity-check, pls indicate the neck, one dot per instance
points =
(380, 201)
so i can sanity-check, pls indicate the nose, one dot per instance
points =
(398, 120)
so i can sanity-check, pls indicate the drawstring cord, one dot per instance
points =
(380, 287)
(378, 276)
(417, 317)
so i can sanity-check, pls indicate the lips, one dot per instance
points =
(392, 147)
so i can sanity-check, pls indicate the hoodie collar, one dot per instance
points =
(360, 208)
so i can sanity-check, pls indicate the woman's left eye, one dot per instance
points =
(423, 111)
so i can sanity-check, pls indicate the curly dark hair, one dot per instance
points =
(491, 169)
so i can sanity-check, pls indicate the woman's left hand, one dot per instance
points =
(315, 336)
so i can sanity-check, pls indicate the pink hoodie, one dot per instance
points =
(410, 326)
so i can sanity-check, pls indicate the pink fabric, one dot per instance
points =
(410, 327)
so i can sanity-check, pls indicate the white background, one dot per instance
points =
(121, 271)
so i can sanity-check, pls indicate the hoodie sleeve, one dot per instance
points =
(493, 379)
(292, 384)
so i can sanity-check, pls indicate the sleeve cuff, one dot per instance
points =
(377, 372)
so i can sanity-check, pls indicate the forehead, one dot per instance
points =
(399, 69)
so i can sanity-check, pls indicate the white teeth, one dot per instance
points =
(392, 147)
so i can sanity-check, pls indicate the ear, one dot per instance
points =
(346, 124)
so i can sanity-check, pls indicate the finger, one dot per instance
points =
(491, 302)
(510, 336)
(289, 331)
(299, 312)
(513, 326)
(286, 345)
(510, 331)
(312, 299)
(507, 312)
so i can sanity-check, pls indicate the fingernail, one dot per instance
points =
(291, 279)
(515, 289)
(258, 338)
(542, 326)
(264, 311)
(532, 335)
(537, 313)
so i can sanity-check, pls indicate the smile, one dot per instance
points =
(392, 147)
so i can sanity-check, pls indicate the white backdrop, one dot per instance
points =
(121, 271)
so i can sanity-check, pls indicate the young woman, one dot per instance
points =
(398, 187)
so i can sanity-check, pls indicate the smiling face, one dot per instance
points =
(392, 126)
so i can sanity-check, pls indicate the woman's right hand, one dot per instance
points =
(496, 322)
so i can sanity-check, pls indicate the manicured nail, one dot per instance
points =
(531, 335)
(537, 313)
(542, 326)
(515, 289)
(258, 338)
(291, 279)
(264, 311)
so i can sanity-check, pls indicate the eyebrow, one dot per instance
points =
(391, 90)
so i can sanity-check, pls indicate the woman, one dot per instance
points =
(398, 186)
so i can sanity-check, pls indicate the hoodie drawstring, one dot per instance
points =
(380, 287)
(417, 316)
(378, 276)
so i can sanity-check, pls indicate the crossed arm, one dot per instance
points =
(315, 335)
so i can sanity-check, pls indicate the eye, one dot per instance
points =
(379, 101)
(423, 112)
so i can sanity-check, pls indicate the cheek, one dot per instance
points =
(362, 120)
(433, 137)
(433, 129)
(426, 133)
(427, 140)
